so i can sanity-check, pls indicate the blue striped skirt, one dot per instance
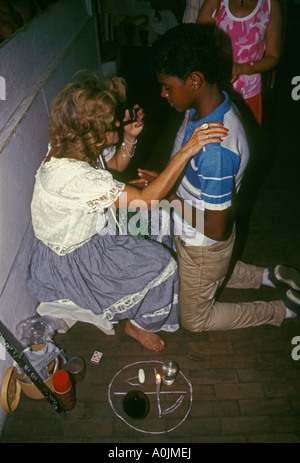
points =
(119, 276)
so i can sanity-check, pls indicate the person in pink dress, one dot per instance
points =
(254, 27)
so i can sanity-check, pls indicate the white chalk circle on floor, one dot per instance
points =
(163, 412)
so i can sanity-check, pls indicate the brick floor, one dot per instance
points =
(236, 395)
(245, 383)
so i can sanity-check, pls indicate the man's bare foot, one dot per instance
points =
(148, 339)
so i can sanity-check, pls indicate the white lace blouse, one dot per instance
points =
(69, 202)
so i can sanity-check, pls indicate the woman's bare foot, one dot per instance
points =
(148, 339)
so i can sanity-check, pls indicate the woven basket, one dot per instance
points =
(28, 387)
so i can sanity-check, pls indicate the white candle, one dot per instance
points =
(158, 383)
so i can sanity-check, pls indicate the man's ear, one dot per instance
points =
(196, 79)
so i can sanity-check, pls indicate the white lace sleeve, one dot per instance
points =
(96, 188)
(108, 198)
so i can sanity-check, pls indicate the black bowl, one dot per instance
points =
(136, 405)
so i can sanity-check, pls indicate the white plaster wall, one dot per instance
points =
(35, 63)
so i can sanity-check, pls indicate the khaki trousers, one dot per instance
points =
(201, 271)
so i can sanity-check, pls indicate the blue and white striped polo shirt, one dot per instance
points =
(215, 172)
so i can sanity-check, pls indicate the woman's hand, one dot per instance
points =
(133, 130)
(236, 71)
(239, 69)
(145, 178)
(162, 184)
(126, 149)
(209, 132)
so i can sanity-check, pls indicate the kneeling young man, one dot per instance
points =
(189, 66)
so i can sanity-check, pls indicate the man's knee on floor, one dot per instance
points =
(198, 319)
(190, 324)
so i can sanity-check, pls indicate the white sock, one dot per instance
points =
(265, 280)
(289, 313)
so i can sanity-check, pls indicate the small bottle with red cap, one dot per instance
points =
(64, 389)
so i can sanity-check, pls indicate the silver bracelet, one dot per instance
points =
(130, 142)
(125, 150)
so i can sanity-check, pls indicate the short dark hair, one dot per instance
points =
(193, 47)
